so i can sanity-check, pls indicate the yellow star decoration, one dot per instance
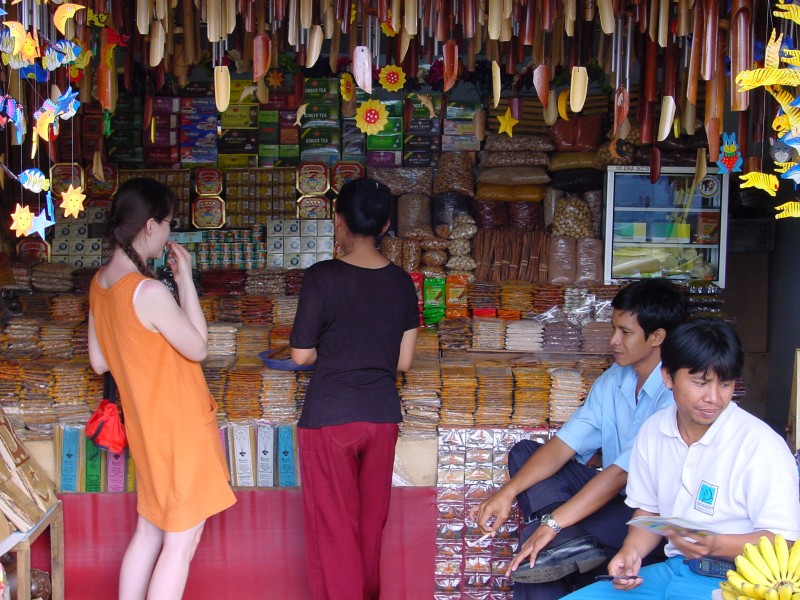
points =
(72, 201)
(21, 220)
(392, 78)
(347, 86)
(371, 117)
(507, 123)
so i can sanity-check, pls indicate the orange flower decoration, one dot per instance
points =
(347, 86)
(21, 220)
(387, 27)
(392, 78)
(371, 117)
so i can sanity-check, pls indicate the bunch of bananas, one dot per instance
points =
(765, 572)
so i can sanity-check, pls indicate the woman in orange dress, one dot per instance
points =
(153, 346)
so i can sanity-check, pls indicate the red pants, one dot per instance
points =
(346, 473)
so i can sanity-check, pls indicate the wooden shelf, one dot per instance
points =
(21, 544)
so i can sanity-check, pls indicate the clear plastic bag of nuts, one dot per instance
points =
(392, 248)
(572, 217)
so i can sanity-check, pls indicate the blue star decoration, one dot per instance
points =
(39, 223)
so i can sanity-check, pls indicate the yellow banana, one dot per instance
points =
(782, 553)
(752, 553)
(563, 97)
(794, 559)
(728, 595)
(730, 586)
(785, 591)
(796, 596)
(757, 591)
(735, 580)
(767, 552)
(750, 572)
(772, 594)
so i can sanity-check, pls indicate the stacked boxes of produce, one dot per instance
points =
(460, 128)
(320, 124)
(238, 140)
(72, 244)
(298, 243)
(422, 142)
(199, 121)
(124, 143)
(385, 149)
(254, 195)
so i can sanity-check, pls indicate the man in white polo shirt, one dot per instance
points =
(705, 461)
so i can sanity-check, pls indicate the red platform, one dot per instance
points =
(253, 550)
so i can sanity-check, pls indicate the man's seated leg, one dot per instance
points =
(555, 490)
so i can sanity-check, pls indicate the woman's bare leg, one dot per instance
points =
(137, 564)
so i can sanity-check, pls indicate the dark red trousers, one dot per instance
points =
(346, 474)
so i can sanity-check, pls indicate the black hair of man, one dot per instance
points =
(703, 345)
(657, 304)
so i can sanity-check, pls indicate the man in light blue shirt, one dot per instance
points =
(576, 516)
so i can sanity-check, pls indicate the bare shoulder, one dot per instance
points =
(152, 292)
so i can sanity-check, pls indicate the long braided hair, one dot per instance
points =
(137, 201)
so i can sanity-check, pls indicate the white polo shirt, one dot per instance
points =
(739, 477)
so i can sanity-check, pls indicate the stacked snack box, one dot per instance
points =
(278, 132)
(423, 140)
(321, 131)
(238, 140)
(459, 127)
(298, 243)
(125, 139)
(385, 149)
(199, 121)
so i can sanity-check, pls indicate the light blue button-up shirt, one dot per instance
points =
(611, 417)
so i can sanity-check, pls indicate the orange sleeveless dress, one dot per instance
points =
(170, 416)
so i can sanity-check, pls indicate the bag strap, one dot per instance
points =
(110, 389)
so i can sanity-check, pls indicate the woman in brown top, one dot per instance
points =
(153, 346)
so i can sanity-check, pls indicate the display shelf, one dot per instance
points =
(675, 226)
(20, 543)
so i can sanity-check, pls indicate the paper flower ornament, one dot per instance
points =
(21, 220)
(347, 86)
(72, 201)
(371, 117)
(387, 27)
(392, 78)
(507, 123)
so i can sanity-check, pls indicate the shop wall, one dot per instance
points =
(784, 321)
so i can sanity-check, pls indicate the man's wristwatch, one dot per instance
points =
(550, 522)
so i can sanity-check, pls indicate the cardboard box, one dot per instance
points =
(630, 232)
(668, 232)
(291, 260)
(287, 118)
(237, 161)
(162, 154)
(268, 151)
(127, 120)
(237, 87)
(422, 111)
(419, 158)
(308, 243)
(198, 154)
(275, 260)
(316, 138)
(392, 141)
(280, 101)
(289, 137)
(384, 158)
(162, 137)
(462, 110)
(92, 125)
(354, 144)
(329, 156)
(458, 127)
(240, 115)
(428, 143)
(238, 141)
(117, 155)
(166, 105)
(307, 259)
(321, 114)
(423, 126)
(190, 106)
(326, 89)
(460, 143)
(308, 227)
(208, 122)
(197, 137)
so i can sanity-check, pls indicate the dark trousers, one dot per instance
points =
(608, 524)
(347, 483)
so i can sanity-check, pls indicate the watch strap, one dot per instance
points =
(550, 522)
